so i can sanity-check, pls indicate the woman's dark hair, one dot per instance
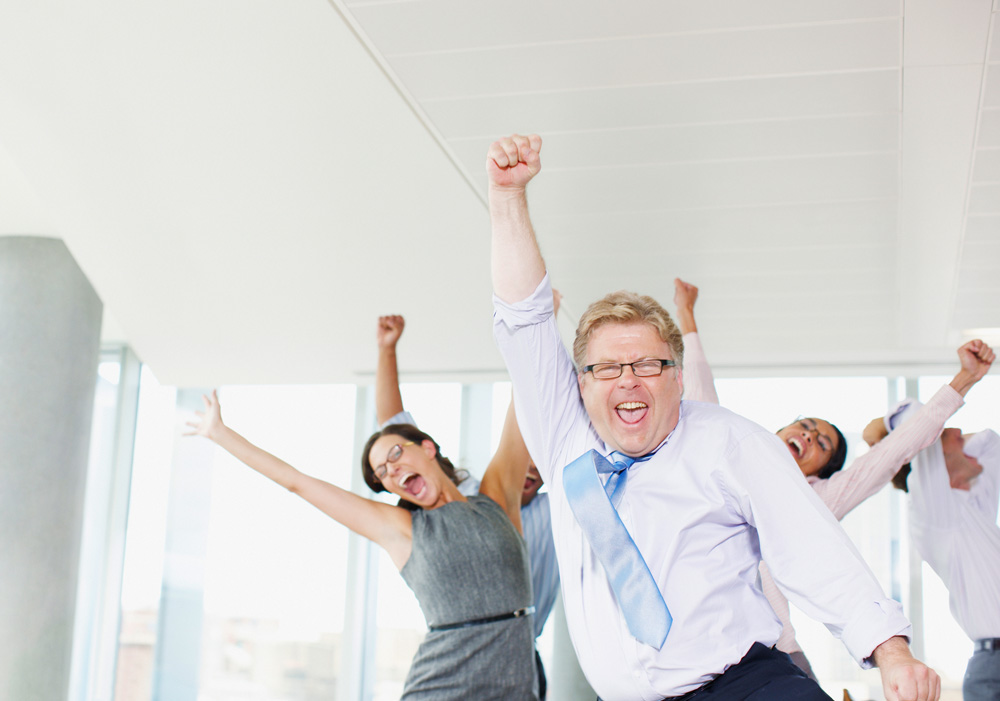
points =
(408, 432)
(836, 460)
(899, 479)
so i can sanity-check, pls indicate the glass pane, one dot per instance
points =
(145, 538)
(982, 401)
(274, 579)
(89, 677)
(946, 647)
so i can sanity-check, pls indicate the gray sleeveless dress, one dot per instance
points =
(468, 562)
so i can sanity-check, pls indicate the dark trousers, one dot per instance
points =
(982, 677)
(542, 683)
(764, 674)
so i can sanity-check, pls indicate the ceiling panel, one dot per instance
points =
(709, 142)
(994, 55)
(736, 184)
(982, 228)
(937, 32)
(987, 168)
(734, 260)
(984, 199)
(462, 25)
(989, 129)
(991, 92)
(846, 223)
(771, 98)
(649, 60)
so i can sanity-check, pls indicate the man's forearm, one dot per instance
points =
(517, 263)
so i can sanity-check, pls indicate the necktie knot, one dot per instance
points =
(620, 461)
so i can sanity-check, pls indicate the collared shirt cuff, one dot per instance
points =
(873, 625)
(403, 417)
(535, 309)
(899, 413)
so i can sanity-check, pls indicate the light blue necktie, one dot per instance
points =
(593, 505)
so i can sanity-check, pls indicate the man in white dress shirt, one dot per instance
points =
(709, 495)
(954, 487)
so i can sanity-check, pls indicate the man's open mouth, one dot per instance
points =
(631, 412)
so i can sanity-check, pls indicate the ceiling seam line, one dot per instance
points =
(970, 181)
(633, 37)
(684, 125)
(408, 99)
(666, 83)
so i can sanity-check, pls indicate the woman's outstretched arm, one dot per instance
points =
(388, 526)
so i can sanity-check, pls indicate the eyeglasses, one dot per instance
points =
(825, 444)
(640, 368)
(395, 453)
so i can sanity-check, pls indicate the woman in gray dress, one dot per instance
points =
(463, 557)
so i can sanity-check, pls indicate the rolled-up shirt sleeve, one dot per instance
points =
(795, 527)
(403, 417)
(547, 399)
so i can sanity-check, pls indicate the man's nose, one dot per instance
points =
(628, 378)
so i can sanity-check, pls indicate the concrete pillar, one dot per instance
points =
(566, 679)
(50, 334)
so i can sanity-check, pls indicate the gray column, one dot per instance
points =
(50, 334)
(566, 679)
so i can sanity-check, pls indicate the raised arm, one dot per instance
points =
(699, 384)
(517, 263)
(844, 490)
(386, 525)
(685, 295)
(388, 401)
(503, 480)
(976, 358)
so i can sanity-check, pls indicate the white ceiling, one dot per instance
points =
(249, 184)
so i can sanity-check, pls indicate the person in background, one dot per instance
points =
(536, 521)
(954, 486)
(815, 448)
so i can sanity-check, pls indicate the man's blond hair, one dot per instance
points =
(624, 307)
